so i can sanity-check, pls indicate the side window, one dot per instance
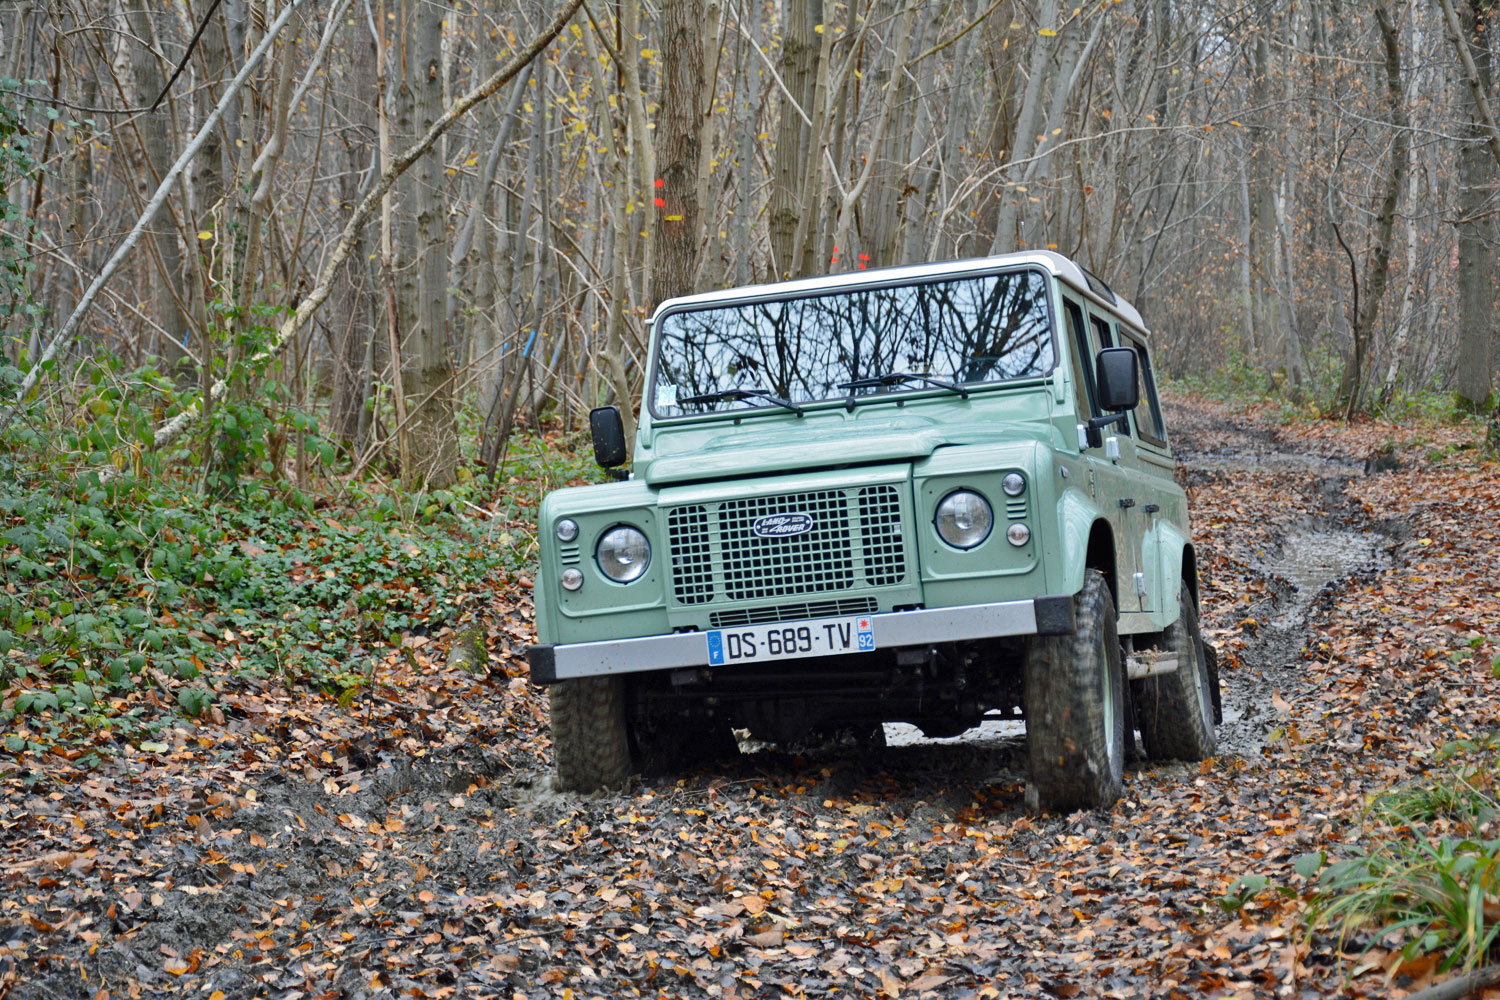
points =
(1148, 419)
(1106, 339)
(1101, 330)
(1083, 370)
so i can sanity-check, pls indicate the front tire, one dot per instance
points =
(1175, 711)
(590, 735)
(1075, 708)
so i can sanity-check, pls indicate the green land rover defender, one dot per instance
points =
(935, 494)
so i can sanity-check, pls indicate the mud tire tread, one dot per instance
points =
(1071, 767)
(590, 736)
(1166, 706)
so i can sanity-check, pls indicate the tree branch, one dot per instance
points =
(173, 429)
(69, 329)
(1471, 77)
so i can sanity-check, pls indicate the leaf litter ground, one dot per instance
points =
(409, 843)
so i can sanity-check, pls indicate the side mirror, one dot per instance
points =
(1117, 379)
(608, 431)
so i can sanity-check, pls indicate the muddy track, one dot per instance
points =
(461, 870)
(1326, 544)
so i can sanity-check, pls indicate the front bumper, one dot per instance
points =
(1051, 615)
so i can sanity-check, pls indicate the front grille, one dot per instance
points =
(692, 569)
(814, 562)
(880, 532)
(1015, 509)
(856, 539)
(793, 612)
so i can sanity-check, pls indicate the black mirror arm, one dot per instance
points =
(1099, 423)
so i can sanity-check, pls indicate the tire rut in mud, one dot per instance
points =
(1326, 543)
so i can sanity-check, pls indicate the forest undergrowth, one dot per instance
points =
(338, 811)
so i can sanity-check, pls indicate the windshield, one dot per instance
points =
(990, 328)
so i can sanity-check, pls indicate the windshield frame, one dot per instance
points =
(895, 393)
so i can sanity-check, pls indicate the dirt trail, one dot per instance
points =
(454, 870)
(1312, 541)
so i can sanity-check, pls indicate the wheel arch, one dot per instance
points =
(1190, 572)
(1101, 556)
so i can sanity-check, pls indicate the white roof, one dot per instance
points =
(1065, 269)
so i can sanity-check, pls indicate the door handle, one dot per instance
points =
(1127, 502)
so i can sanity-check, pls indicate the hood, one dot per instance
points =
(730, 452)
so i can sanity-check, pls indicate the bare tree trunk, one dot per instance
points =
(77, 178)
(1286, 274)
(801, 45)
(643, 153)
(1263, 183)
(679, 136)
(492, 298)
(1363, 314)
(1477, 325)
(1465, 41)
(1001, 110)
(429, 389)
(845, 217)
(388, 208)
(615, 350)
(747, 111)
(351, 317)
(156, 151)
(1247, 265)
(1025, 136)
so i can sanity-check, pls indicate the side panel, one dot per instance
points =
(1169, 541)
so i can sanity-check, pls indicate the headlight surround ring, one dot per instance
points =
(623, 553)
(964, 519)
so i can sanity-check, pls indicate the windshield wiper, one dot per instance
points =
(736, 394)
(897, 378)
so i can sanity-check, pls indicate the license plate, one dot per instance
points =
(790, 640)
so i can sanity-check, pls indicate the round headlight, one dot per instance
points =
(623, 554)
(1018, 534)
(567, 529)
(1014, 484)
(964, 519)
(572, 579)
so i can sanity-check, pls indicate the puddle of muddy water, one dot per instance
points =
(1313, 556)
(902, 734)
(1273, 461)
